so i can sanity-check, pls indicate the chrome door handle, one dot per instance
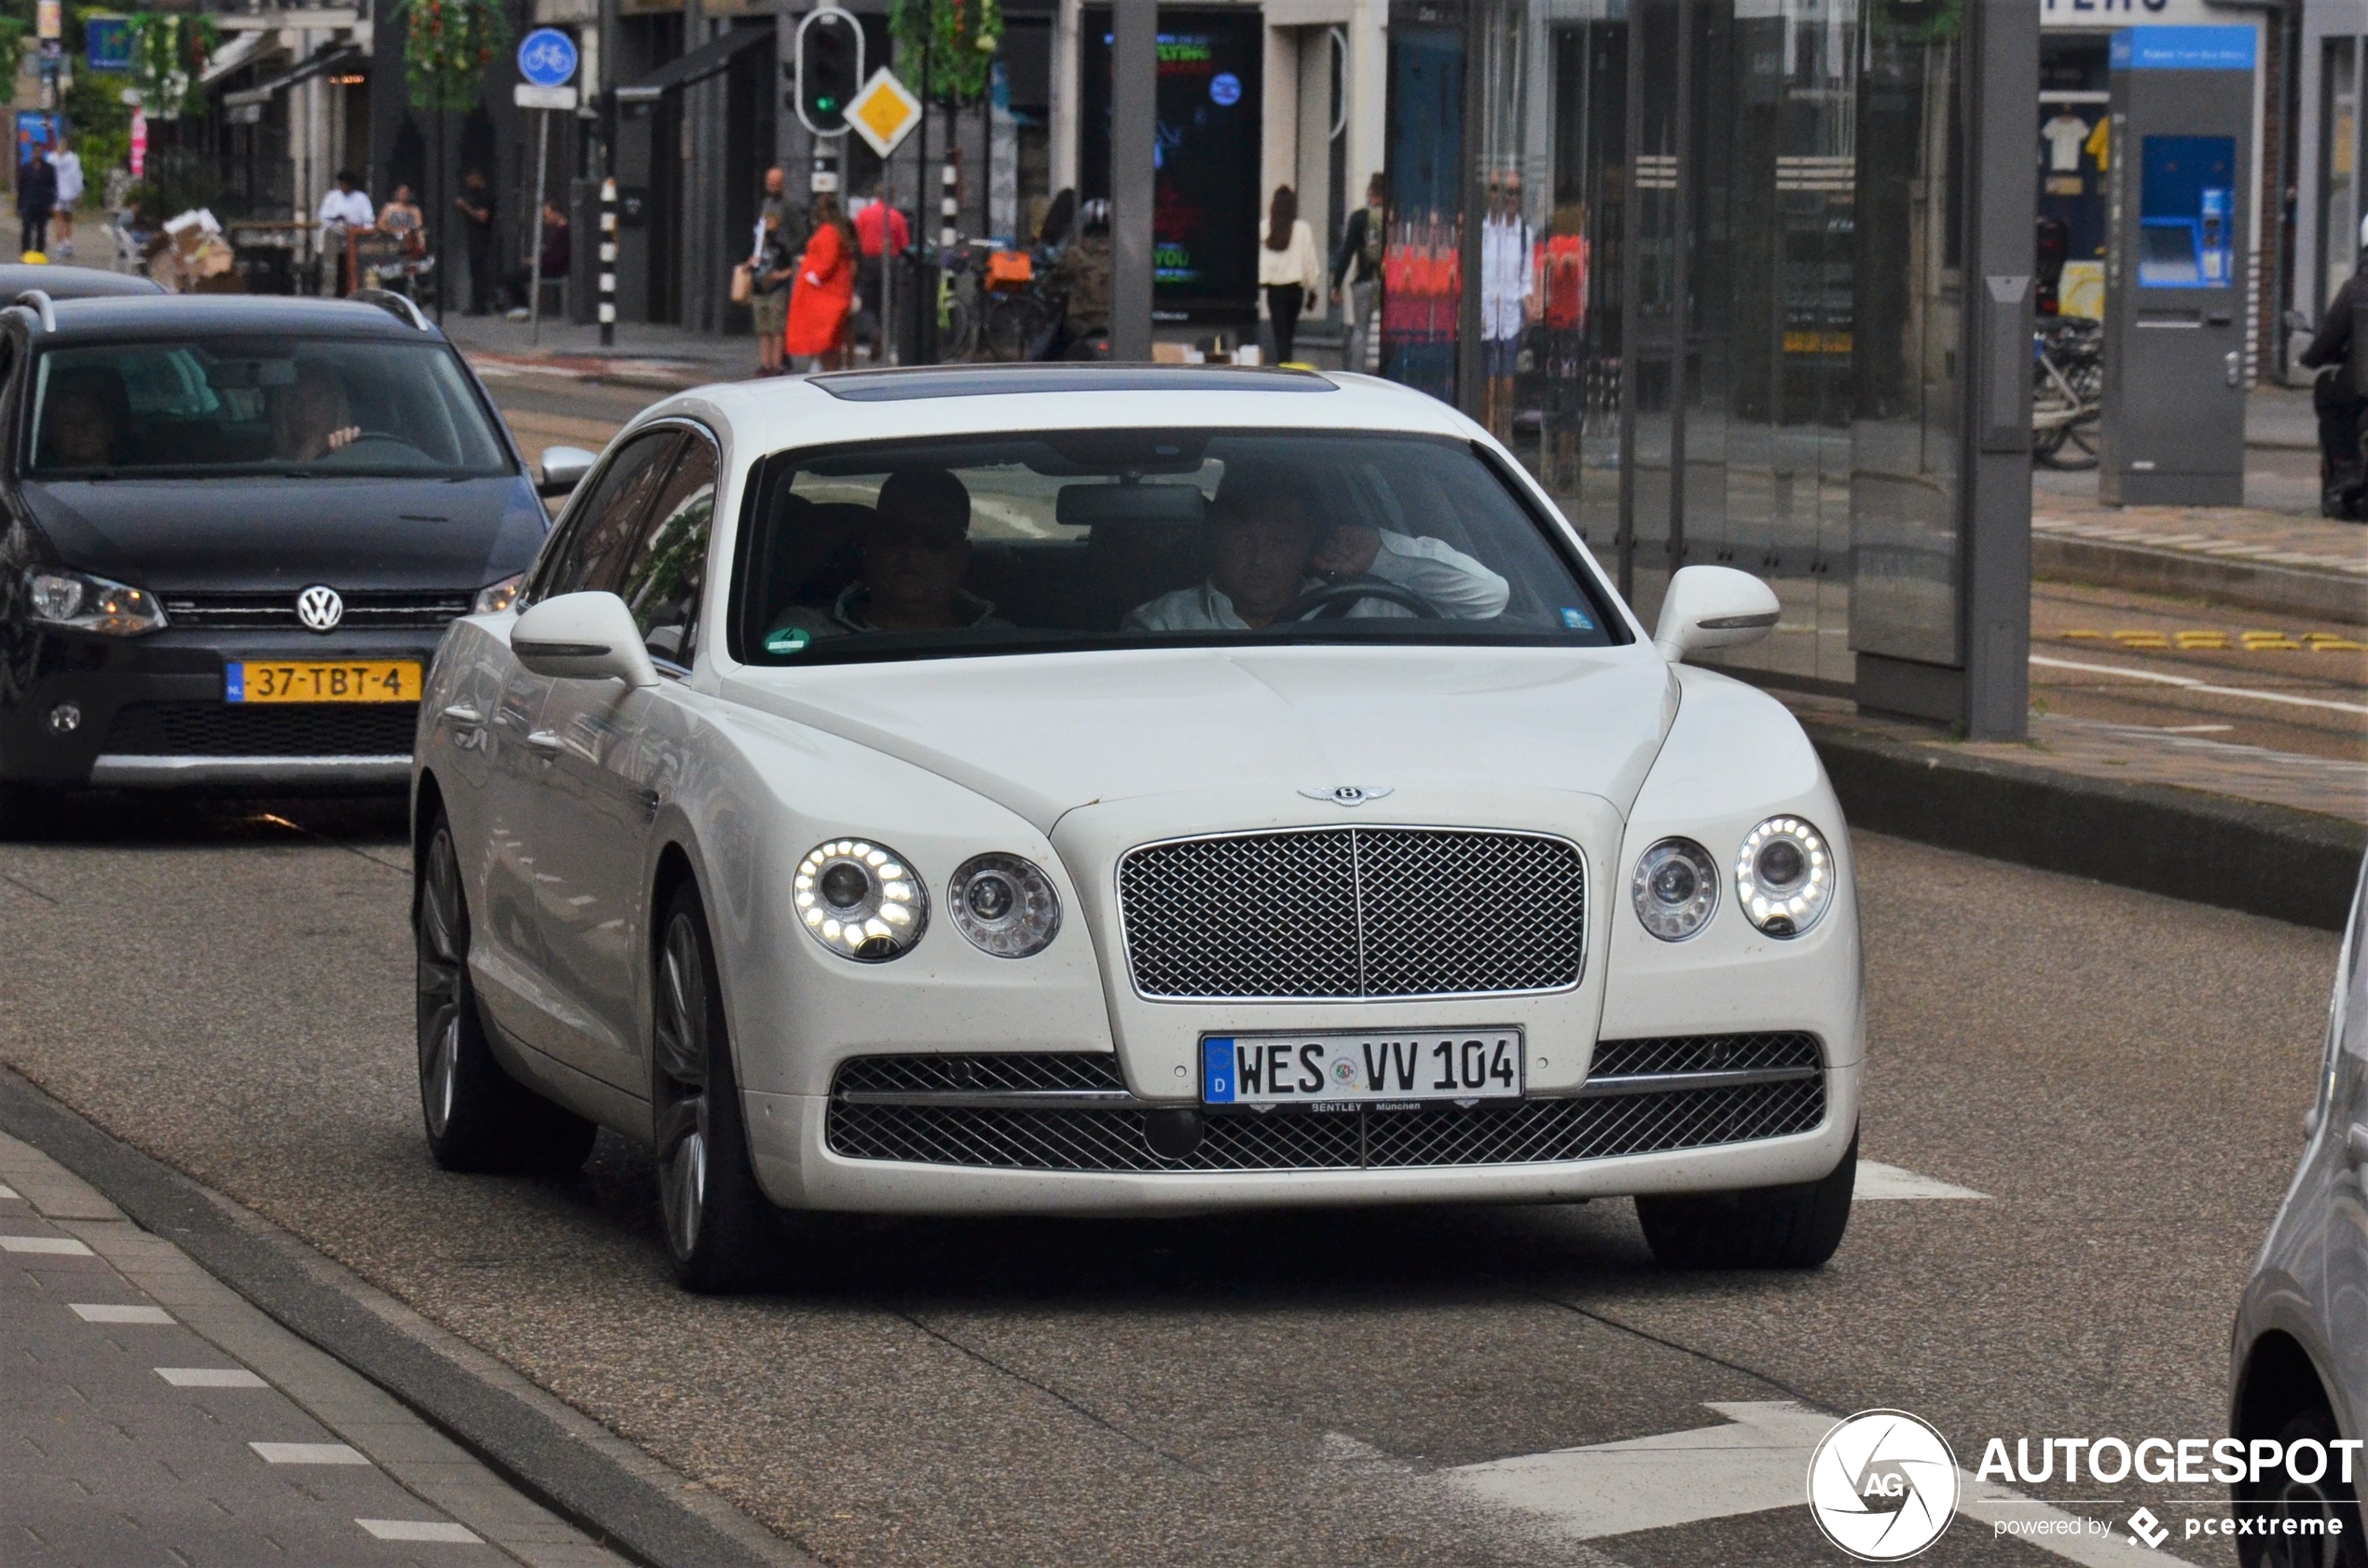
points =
(546, 741)
(464, 715)
(2356, 1143)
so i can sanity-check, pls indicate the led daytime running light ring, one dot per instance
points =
(1787, 908)
(860, 900)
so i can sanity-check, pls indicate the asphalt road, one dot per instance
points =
(2123, 1075)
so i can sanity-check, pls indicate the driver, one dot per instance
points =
(1268, 546)
(915, 549)
(80, 430)
(313, 417)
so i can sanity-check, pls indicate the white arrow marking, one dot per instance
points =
(1878, 1182)
(1757, 1462)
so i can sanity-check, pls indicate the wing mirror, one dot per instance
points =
(1713, 607)
(583, 637)
(563, 468)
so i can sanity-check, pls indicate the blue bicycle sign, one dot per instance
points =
(546, 57)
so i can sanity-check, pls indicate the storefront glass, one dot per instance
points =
(1718, 290)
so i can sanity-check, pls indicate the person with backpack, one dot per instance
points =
(36, 198)
(1359, 259)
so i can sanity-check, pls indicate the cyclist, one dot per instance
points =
(2335, 397)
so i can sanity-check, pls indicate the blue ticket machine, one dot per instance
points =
(2181, 194)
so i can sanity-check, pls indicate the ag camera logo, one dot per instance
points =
(1882, 1485)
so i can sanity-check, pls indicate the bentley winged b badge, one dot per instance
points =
(1350, 794)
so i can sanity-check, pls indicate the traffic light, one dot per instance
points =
(830, 67)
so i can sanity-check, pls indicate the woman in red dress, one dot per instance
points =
(823, 295)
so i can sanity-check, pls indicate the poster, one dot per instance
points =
(37, 134)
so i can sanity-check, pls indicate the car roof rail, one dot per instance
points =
(38, 301)
(398, 306)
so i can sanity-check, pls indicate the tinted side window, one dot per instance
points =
(668, 567)
(591, 553)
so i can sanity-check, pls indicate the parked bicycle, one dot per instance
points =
(2068, 369)
(995, 307)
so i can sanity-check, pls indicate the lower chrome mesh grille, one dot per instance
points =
(1005, 1136)
(232, 729)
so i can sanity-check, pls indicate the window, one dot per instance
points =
(588, 553)
(661, 584)
(1110, 538)
(204, 407)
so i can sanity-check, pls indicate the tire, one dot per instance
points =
(718, 1220)
(1761, 1228)
(479, 1118)
(2281, 1495)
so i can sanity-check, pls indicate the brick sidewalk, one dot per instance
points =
(2235, 533)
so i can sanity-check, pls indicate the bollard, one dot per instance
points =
(607, 263)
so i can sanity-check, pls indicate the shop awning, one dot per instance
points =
(709, 59)
(327, 58)
(231, 56)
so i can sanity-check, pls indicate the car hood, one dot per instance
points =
(263, 533)
(1044, 735)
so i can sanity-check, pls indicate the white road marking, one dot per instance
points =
(420, 1529)
(10, 1192)
(308, 1454)
(1758, 1461)
(93, 1311)
(1881, 1183)
(210, 1377)
(63, 1247)
(2191, 683)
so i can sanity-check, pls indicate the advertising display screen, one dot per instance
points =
(2187, 193)
(1206, 199)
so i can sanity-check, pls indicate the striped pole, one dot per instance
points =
(948, 208)
(607, 263)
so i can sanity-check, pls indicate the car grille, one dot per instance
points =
(230, 729)
(1615, 1116)
(365, 609)
(1354, 913)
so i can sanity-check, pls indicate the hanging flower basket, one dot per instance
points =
(169, 51)
(447, 47)
(961, 37)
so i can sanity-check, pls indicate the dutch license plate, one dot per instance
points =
(1337, 1071)
(323, 681)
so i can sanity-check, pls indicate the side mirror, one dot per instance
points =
(563, 468)
(583, 637)
(1713, 607)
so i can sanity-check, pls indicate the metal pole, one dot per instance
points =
(1134, 91)
(1631, 284)
(444, 200)
(1681, 283)
(608, 262)
(886, 353)
(534, 263)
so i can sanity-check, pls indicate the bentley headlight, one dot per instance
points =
(1004, 904)
(1675, 888)
(860, 900)
(1784, 876)
(87, 604)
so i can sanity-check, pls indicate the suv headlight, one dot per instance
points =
(1784, 876)
(494, 597)
(87, 604)
(860, 900)
(1675, 888)
(1007, 906)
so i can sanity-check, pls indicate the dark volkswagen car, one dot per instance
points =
(236, 529)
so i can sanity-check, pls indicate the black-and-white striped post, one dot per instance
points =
(607, 263)
(949, 206)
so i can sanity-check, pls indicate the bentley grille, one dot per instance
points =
(1353, 911)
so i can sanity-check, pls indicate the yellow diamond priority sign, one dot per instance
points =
(884, 112)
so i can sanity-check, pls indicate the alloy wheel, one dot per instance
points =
(681, 1051)
(443, 942)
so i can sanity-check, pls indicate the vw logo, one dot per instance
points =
(1350, 794)
(320, 607)
(1882, 1485)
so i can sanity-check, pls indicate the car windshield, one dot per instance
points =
(1119, 538)
(209, 406)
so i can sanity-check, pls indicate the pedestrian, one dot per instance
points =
(476, 204)
(344, 211)
(823, 294)
(558, 253)
(1358, 260)
(1509, 279)
(770, 269)
(775, 198)
(1289, 274)
(880, 233)
(68, 164)
(1083, 276)
(2343, 413)
(36, 198)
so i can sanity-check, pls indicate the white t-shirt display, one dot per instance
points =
(2063, 135)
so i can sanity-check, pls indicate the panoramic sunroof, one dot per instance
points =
(995, 380)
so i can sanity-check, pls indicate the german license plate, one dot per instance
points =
(323, 681)
(1338, 1071)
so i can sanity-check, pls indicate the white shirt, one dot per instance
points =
(69, 168)
(1509, 270)
(2063, 135)
(1458, 586)
(1298, 264)
(349, 207)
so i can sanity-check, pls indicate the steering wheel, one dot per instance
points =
(1329, 601)
(374, 445)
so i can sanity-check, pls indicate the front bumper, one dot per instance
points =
(152, 714)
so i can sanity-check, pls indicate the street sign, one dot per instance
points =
(548, 58)
(49, 18)
(884, 113)
(562, 98)
(107, 42)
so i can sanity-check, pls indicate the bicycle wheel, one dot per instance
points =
(1014, 323)
(957, 332)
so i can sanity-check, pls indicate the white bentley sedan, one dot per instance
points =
(1104, 789)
